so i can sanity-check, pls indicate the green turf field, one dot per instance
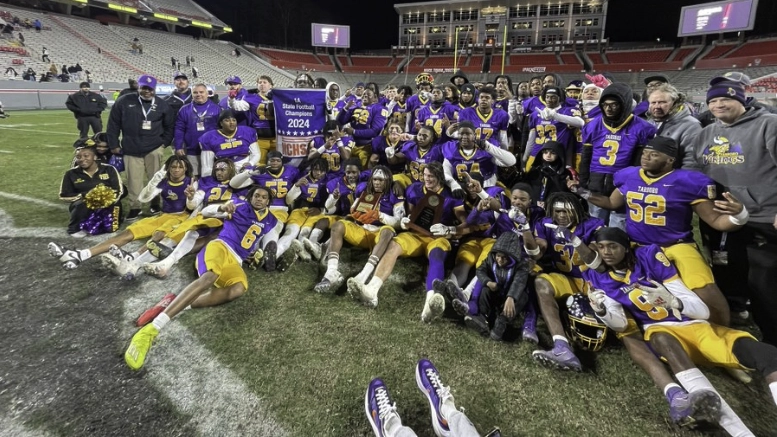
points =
(309, 357)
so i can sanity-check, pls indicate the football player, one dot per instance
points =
(438, 113)
(310, 194)
(553, 123)
(490, 124)
(385, 145)
(416, 154)
(423, 84)
(469, 154)
(363, 123)
(334, 146)
(238, 143)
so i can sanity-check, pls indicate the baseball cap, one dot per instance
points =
(180, 74)
(665, 145)
(233, 79)
(147, 81)
(657, 77)
(732, 76)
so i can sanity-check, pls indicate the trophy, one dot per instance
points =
(427, 212)
(365, 205)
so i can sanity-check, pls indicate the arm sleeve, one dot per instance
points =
(293, 194)
(449, 179)
(503, 157)
(614, 317)
(67, 191)
(504, 142)
(693, 306)
(213, 211)
(529, 144)
(206, 162)
(195, 201)
(149, 192)
(395, 219)
(330, 206)
(254, 154)
(241, 180)
(577, 122)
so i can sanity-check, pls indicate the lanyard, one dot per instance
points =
(204, 113)
(150, 109)
(188, 96)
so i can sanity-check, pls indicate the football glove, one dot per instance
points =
(441, 230)
(458, 193)
(659, 296)
(563, 233)
(404, 222)
(369, 216)
(597, 298)
(255, 260)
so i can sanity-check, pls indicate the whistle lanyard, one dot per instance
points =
(200, 117)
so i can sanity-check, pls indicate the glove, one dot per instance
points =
(659, 296)
(404, 222)
(390, 152)
(232, 94)
(158, 176)
(563, 234)
(512, 107)
(597, 297)
(369, 217)
(519, 218)
(458, 193)
(548, 114)
(441, 230)
(255, 260)
(598, 80)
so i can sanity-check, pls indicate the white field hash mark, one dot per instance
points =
(178, 366)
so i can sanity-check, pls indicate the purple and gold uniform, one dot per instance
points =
(366, 236)
(244, 118)
(417, 245)
(279, 183)
(704, 343)
(367, 122)
(552, 130)
(486, 126)
(173, 210)
(477, 244)
(235, 147)
(215, 192)
(568, 278)
(312, 195)
(399, 114)
(613, 148)
(479, 161)
(414, 104)
(263, 121)
(416, 159)
(429, 116)
(660, 211)
(379, 145)
(344, 202)
(332, 156)
(239, 238)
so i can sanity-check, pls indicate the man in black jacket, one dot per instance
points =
(87, 106)
(146, 126)
(181, 95)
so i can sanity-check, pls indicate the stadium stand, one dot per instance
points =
(718, 51)
(570, 59)
(637, 57)
(184, 8)
(754, 48)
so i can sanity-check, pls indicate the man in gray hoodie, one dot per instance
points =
(739, 152)
(671, 117)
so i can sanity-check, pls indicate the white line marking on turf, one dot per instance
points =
(33, 200)
(40, 131)
(178, 366)
(52, 145)
(6, 151)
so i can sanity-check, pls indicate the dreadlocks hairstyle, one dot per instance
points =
(231, 172)
(435, 168)
(619, 236)
(432, 132)
(353, 161)
(381, 170)
(320, 164)
(182, 159)
(571, 203)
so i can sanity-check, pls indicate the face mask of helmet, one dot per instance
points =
(584, 328)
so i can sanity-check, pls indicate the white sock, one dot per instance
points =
(160, 321)
(315, 235)
(85, 254)
(693, 380)
(560, 337)
(773, 388)
(332, 261)
(375, 284)
(368, 269)
(168, 242)
(670, 386)
(304, 233)
(470, 288)
(146, 257)
(460, 425)
(184, 247)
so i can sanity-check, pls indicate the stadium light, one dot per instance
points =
(165, 17)
(202, 24)
(122, 8)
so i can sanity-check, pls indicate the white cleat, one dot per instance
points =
(120, 253)
(55, 250)
(157, 270)
(362, 292)
(433, 307)
(303, 254)
(314, 249)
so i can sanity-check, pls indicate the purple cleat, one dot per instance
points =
(692, 409)
(560, 357)
(379, 406)
(428, 379)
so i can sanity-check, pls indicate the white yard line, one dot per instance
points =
(39, 131)
(6, 151)
(178, 366)
(45, 203)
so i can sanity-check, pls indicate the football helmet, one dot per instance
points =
(424, 78)
(584, 328)
(303, 80)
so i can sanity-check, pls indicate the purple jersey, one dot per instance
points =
(399, 114)
(552, 130)
(344, 202)
(416, 159)
(661, 209)
(215, 191)
(333, 156)
(173, 195)
(413, 104)
(486, 126)
(417, 191)
(379, 145)
(245, 229)
(483, 221)
(533, 105)
(193, 121)
(563, 256)
(314, 193)
(502, 104)
(479, 161)
(428, 116)
(235, 147)
(388, 201)
(279, 182)
(651, 263)
(244, 118)
(504, 224)
(457, 108)
(367, 122)
(263, 118)
(613, 148)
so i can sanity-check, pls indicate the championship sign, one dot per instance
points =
(299, 116)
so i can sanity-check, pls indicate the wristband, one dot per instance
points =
(576, 241)
(321, 150)
(741, 218)
(595, 263)
(483, 195)
(532, 252)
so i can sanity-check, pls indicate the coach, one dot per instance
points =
(87, 106)
(146, 127)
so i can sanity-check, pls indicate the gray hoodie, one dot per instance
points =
(743, 158)
(682, 127)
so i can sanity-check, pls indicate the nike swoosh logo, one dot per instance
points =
(669, 185)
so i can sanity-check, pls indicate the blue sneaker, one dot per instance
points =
(560, 357)
(428, 379)
(693, 409)
(379, 406)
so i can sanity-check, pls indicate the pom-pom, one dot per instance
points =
(100, 197)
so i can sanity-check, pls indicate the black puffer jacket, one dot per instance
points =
(512, 278)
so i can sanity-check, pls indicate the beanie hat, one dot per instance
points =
(728, 89)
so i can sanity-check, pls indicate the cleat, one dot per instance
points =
(303, 254)
(157, 270)
(454, 291)
(150, 314)
(428, 379)
(255, 260)
(500, 325)
(461, 307)
(433, 307)
(478, 323)
(363, 293)
(56, 251)
(270, 251)
(529, 332)
(80, 234)
(314, 249)
(694, 409)
(125, 270)
(379, 406)
(159, 250)
(135, 356)
(120, 253)
(560, 357)
(329, 285)
(287, 259)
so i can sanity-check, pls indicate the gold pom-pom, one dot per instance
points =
(99, 197)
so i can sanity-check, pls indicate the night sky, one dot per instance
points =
(374, 22)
